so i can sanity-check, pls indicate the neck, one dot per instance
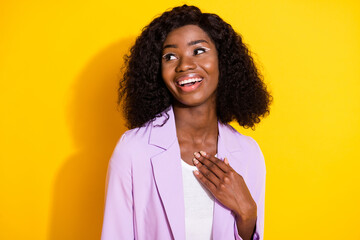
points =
(197, 124)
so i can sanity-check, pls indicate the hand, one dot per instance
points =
(229, 188)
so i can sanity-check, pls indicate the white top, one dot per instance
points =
(199, 205)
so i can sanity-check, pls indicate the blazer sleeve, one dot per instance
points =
(258, 193)
(118, 213)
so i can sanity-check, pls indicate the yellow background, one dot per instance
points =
(59, 67)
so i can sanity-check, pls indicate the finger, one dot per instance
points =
(215, 160)
(208, 184)
(206, 172)
(221, 164)
(210, 165)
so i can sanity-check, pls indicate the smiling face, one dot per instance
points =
(190, 66)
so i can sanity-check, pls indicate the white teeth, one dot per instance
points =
(191, 80)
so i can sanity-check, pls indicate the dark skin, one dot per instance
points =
(192, 136)
(188, 54)
(229, 188)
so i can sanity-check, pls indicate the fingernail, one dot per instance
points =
(195, 161)
(196, 172)
(203, 153)
(226, 160)
(196, 154)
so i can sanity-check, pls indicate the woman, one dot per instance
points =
(182, 172)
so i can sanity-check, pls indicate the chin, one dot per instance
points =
(193, 102)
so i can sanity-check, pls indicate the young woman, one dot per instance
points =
(182, 172)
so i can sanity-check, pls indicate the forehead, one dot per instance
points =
(186, 34)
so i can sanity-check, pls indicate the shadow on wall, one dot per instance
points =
(96, 126)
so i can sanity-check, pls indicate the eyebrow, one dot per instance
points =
(189, 44)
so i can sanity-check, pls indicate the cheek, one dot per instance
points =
(211, 64)
(212, 68)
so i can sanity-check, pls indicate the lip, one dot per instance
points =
(186, 77)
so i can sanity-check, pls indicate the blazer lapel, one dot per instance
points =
(223, 221)
(167, 172)
(168, 175)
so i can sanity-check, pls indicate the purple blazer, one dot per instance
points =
(144, 198)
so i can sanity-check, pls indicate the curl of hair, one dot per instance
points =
(241, 94)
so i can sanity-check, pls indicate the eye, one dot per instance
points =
(201, 50)
(169, 57)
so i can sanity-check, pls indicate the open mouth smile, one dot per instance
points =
(189, 82)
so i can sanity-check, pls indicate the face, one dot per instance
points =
(190, 66)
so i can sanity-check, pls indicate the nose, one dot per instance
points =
(185, 64)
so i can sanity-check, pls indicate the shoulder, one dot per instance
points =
(238, 139)
(258, 161)
(135, 136)
(246, 145)
(129, 145)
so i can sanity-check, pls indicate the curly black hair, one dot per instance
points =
(241, 94)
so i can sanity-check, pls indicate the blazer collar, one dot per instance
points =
(168, 173)
(227, 138)
(223, 221)
(163, 130)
